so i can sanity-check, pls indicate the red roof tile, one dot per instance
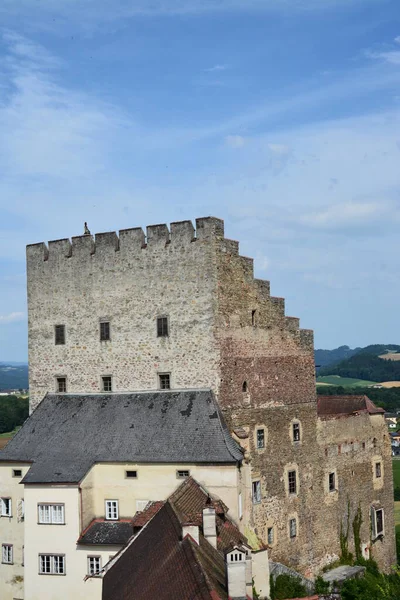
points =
(336, 406)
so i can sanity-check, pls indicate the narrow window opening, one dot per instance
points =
(256, 489)
(164, 381)
(260, 438)
(378, 470)
(292, 481)
(107, 384)
(162, 327)
(60, 335)
(332, 482)
(104, 331)
(293, 528)
(253, 317)
(61, 385)
(245, 387)
(296, 432)
(270, 535)
(182, 474)
(131, 474)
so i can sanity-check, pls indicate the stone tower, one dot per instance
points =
(96, 309)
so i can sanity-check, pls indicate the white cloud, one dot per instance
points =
(216, 68)
(344, 215)
(235, 141)
(397, 39)
(391, 56)
(12, 317)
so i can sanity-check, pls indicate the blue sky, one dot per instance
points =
(280, 116)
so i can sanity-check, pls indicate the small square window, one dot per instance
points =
(296, 432)
(7, 554)
(5, 507)
(17, 472)
(256, 492)
(165, 381)
(107, 384)
(112, 510)
(162, 327)
(182, 474)
(94, 565)
(332, 482)
(104, 331)
(292, 481)
(61, 385)
(59, 335)
(378, 470)
(270, 535)
(293, 528)
(131, 474)
(260, 438)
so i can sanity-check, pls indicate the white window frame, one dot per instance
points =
(52, 564)
(5, 507)
(112, 510)
(51, 514)
(256, 491)
(7, 554)
(375, 533)
(94, 565)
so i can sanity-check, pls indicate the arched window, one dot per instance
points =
(245, 388)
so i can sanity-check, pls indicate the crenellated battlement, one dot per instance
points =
(157, 236)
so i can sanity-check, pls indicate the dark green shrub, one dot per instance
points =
(288, 586)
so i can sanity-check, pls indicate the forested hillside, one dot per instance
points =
(13, 412)
(365, 365)
(13, 376)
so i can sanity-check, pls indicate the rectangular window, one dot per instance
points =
(296, 432)
(94, 565)
(293, 528)
(162, 326)
(182, 474)
(51, 564)
(51, 514)
(164, 380)
(131, 474)
(240, 505)
(5, 507)
(270, 535)
(260, 438)
(378, 522)
(256, 492)
(61, 385)
(107, 384)
(378, 470)
(17, 472)
(21, 509)
(112, 510)
(7, 554)
(59, 335)
(292, 481)
(104, 331)
(332, 482)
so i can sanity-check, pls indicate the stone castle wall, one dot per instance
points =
(227, 333)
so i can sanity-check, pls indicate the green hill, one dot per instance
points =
(367, 366)
(13, 376)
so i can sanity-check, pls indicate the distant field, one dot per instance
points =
(390, 384)
(344, 381)
(390, 356)
(6, 437)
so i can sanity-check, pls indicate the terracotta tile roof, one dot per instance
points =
(336, 406)
(159, 564)
(141, 518)
(188, 502)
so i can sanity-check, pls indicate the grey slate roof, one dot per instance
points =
(107, 533)
(67, 434)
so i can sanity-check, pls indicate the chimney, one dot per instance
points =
(209, 525)
(236, 574)
(192, 530)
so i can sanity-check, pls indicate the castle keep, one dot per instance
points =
(179, 308)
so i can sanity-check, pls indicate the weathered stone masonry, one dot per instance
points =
(226, 333)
